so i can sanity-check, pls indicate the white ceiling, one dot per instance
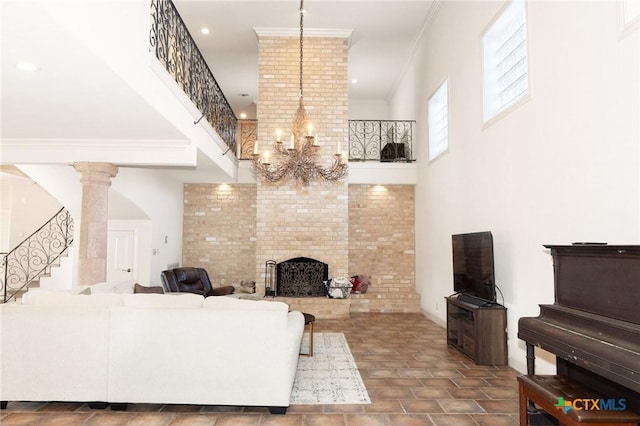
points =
(382, 39)
(74, 94)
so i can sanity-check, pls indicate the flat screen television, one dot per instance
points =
(473, 270)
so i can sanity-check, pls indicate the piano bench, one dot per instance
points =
(571, 403)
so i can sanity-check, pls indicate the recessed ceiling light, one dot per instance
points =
(243, 115)
(354, 80)
(204, 30)
(27, 66)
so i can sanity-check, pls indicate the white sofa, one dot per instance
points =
(149, 348)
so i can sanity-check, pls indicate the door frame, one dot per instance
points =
(141, 246)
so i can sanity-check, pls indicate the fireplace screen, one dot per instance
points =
(302, 277)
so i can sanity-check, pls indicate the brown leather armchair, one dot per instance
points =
(191, 280)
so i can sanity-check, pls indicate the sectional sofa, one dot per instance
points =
(149, 348)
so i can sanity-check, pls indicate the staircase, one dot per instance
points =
(22, 267)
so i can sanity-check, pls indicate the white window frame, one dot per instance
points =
(438, 121)
(505, 62)
(628, 17)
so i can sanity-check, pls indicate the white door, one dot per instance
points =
(120, 256)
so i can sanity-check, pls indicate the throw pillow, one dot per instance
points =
(247, 287)
(105, 287)
(355, 281)
(360, 283)
(137, 288)
(124, 287)
(222, 290)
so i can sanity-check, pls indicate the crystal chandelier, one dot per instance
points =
(298, 160)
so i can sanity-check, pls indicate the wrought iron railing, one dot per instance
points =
(177, 51)
(247, 136)
(369, 140)
(381, 140)
(33, 256)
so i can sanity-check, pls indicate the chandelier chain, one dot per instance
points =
(301, 44)
(299, 159)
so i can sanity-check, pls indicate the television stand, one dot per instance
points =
(473, 300)
(480, 332)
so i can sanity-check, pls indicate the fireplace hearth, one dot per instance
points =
(301, 277)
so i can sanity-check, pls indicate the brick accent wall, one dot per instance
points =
(356, 229)
(382, 245)
(221, 235)
(219, 231)
(295, 220)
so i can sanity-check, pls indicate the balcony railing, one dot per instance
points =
(381, 140)
(369, 140)
(170, 40)
(174, 47)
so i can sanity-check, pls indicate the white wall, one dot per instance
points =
(160, 198)
(27, 205)
(368, 110)
(562, 167)
(157, 198)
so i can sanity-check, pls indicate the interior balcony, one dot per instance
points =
(159, 107)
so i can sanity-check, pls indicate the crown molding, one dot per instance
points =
(308, 32)
(119, 144)
(116, 151)
(432, 13)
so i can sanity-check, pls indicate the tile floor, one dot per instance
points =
(411, 375)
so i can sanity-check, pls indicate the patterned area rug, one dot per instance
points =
(330, 376)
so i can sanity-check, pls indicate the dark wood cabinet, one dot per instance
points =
(478, 332)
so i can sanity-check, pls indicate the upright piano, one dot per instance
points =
(593, 328)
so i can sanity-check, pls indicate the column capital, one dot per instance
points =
(96, 172)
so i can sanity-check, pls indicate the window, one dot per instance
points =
(438, 121)
(504, 52)
(628, 16)
(631, 10)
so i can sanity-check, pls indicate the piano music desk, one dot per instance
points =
(545, 391)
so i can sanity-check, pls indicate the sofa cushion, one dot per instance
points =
(67, 300)
(230, 303)
(137, 288)
(31, 296)
(168, 300)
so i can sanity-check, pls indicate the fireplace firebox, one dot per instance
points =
(301, 277)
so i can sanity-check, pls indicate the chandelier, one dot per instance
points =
(298, 159)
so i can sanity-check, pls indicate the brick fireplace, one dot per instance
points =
(220, 223)
(295, 220)
(233, 230)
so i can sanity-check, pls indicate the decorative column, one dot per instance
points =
(92, 256)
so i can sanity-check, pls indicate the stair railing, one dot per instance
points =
(33, 256)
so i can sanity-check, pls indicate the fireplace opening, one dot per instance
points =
(301, 277)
